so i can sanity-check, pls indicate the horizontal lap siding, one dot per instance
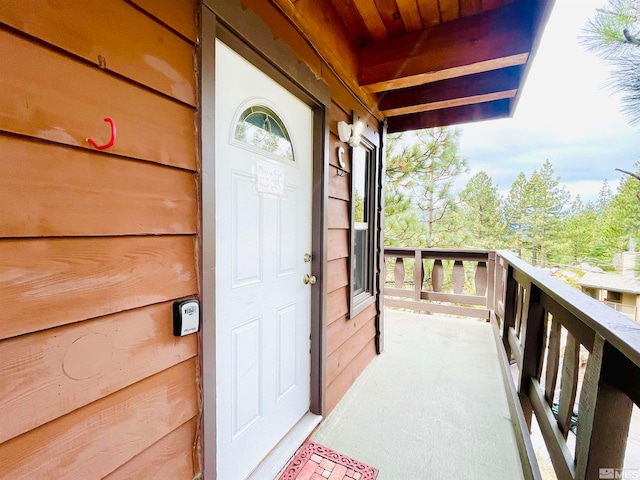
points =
(140, 343)
(65, 280)
(95, 440)
(96, 246)
(156, 58)
(52, 96)
(166, 459)
(56, 176)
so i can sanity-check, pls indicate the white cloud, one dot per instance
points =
(565, 114)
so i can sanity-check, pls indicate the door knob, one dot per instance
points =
(307, 257)
(309, 279)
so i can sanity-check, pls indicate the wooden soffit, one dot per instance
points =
(425, 63)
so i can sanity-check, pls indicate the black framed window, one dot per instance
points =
(363, 249)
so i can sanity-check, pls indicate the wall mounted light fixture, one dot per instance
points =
(351, 134)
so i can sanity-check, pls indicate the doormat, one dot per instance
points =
(315, 462)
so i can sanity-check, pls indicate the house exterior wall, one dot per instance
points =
(95, 246)
(629, 300)
(629, 303)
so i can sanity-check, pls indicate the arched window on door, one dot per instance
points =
(260, 127)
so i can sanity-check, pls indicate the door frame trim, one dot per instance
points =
(245, 33)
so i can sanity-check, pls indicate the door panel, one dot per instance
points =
(263, 230)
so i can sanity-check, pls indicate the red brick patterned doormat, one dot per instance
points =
(315, 462)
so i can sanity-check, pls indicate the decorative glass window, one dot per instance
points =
(261, 127)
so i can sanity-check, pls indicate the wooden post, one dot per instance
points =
(384, 276)
(603, 419)
(418, 276)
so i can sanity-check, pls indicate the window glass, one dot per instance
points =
(361, 224)
(260, 127)
(613, 296)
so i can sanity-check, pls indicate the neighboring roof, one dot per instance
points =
(612, 282)
(427, 63)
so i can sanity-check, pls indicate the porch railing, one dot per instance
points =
(469, 286)
(628, 310)
(574, 356)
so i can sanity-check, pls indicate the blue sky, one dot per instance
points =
(565, 114)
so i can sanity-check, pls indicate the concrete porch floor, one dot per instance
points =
(432, 406)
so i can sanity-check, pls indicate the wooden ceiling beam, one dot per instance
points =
(450, 116)
(477, 88)
(495, 39)
(456, 102)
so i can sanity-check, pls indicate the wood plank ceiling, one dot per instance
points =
(426, 63)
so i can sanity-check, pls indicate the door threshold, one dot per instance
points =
(286, 448)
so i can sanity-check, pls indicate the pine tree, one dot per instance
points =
(481, 214)
(515, 213)
(579, 232)
(402, 224)
(614, 34)
(621, 218)
(546, 201)
(422, 166)
(604, 197)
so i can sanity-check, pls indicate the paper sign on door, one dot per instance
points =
(270, 179)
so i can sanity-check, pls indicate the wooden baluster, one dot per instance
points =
(398, 273)
(492, 287)
(603, 419)
(418, 276)
(553, 360)
(568, 383)
(481, 278)
(510, 303)
(458, 277)
(532, 341)
(437, 276)
(521, 297)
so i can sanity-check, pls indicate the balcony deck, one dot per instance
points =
(433, 405)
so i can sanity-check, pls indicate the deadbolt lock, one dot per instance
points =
(307, 257)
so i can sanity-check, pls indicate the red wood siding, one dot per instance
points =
(95, 246)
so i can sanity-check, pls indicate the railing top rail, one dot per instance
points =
(440, 253)
(614, 327)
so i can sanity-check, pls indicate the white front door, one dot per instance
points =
(263, 231)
